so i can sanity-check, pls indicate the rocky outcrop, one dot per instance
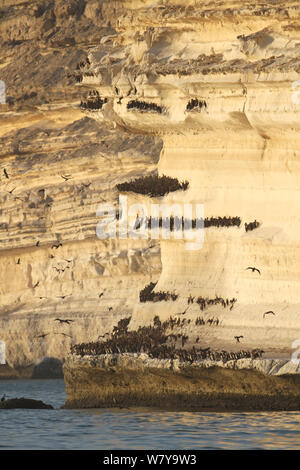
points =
(137, 380)
(24, 403)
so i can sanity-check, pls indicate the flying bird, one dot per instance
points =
(63, 321)
(64, 334)
(5, 173)
(238, 338)
(57, 245)
(253, 269)
(36, 285)
(11, 191)
(42, 335)
(66, 177)
(269, 312)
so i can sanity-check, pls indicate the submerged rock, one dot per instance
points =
(27, 403)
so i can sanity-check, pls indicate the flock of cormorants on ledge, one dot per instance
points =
(153, 185)
(94, 101)
(194, 103)
(251, 225)
(154, 341)
(144, 106)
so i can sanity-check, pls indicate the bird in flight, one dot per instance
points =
(36, 285)
(66, 177)
(64, 334)
(63, 296)
(42, 335)
(11, 191)
(269, 312)
(63, 321)
(238, 338)
(253, 269)
(5, 173)
(57, 245)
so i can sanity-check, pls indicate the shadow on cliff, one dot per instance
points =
(48, 368)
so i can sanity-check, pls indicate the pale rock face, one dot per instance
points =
(44, 135)
(238, 150)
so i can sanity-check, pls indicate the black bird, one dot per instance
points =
(3, 398)
(37, 243)
(64, 334)
(5, 172)
(36, 285)
(253, 269)
(269, 312)
(63, 321)
(110, 308)
(56, 246)
(42, 335)
(66, 177)
(11, 191)
(19, 261)
(238, 338)
(100, 295)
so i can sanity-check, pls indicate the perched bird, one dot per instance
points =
(19, 261)
(269, 312)
(109, 309)
(3, 398)
(37, 243)
(238, 338)
(100, 295)
(63, 321)
(253, 269)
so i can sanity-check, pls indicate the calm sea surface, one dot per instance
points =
(135, 429)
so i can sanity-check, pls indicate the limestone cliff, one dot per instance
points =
(217, 84)
(51, 262)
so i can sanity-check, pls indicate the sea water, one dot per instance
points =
(133, 429)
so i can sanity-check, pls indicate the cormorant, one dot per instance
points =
(269, 312)
(238, 338)
(253, 269)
